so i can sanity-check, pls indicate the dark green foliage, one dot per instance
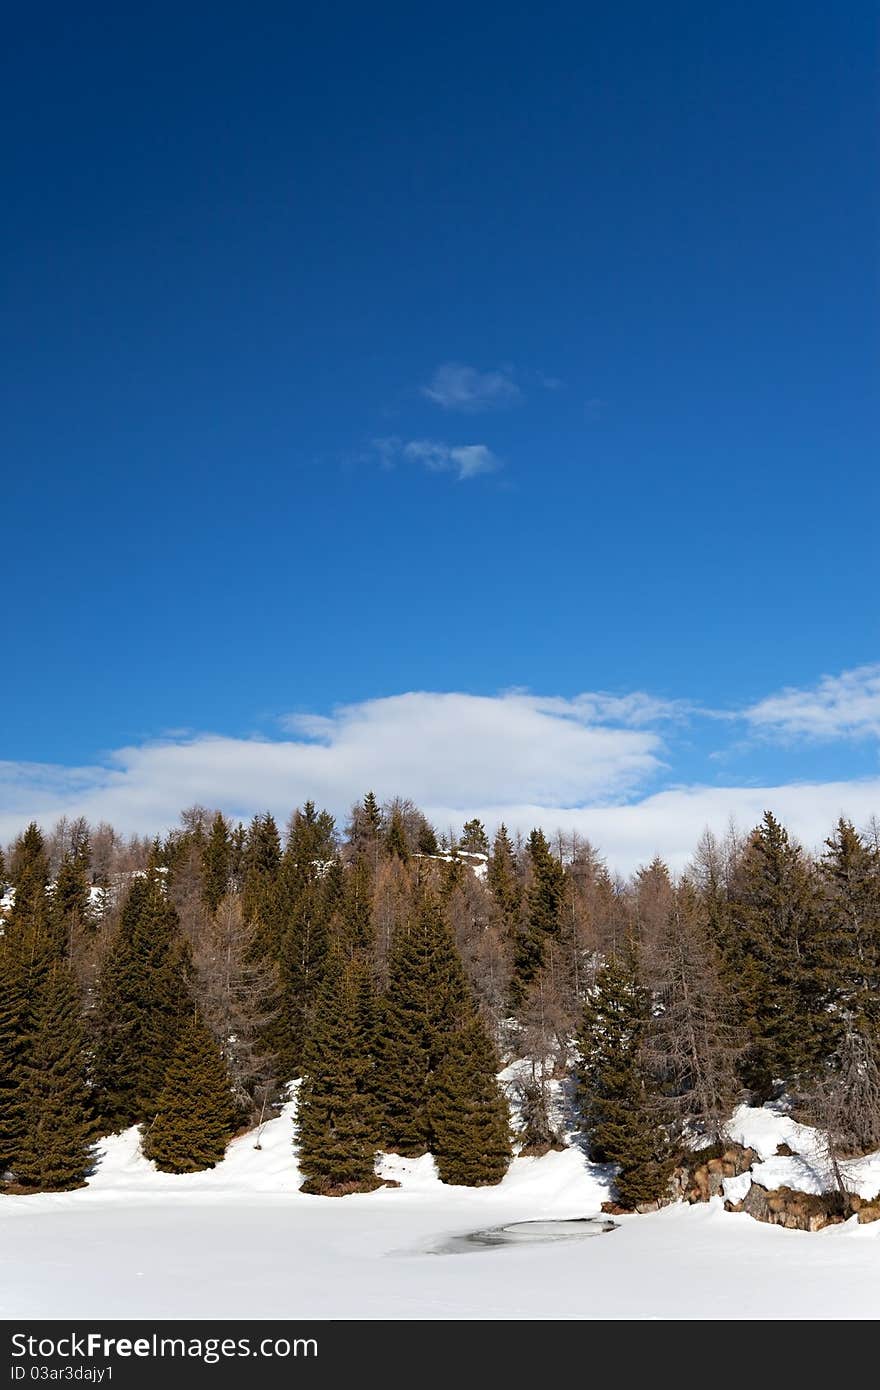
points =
(847, 946)
(310, 848)
(195, 1114)
(775, 914)
(338, 1126)
(426, 838)
(543, 925)
(216, 857)
(261, 864)
(468, 1111)
(30, 948)
(619, 1108)
(303, 951)
(503, 882)
(53, 1151)
(312, 889)
(15, 1026)
(29, 871)
(354, 917)
(70, 901)
(474, 838)
(425, 1002)
(396, 838)
(364, 830)
(144, 994)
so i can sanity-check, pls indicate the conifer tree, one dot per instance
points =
(30, 947)
(53, 1151)
(216, 857)
(14, 1034)
(144, 994)
(426, 838)
(196, 1115)
(337, 1118)
(503, 882)
(364, 830)
(311, 881)
(396, 838)
(468, 1112)
(848, 935)
(261, 864)
(543, 925)
(775, 914)
(425, 1002)
(354, 918)
(619, 1110)
(71, 901)
(474, 838)
(846, 1096)
(29, 870)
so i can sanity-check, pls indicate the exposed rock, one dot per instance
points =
(755, 1203)
(784, 1151)
(867, 1210)
(796, 1211)
(699, 1183)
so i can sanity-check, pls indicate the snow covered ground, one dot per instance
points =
(241, 1241)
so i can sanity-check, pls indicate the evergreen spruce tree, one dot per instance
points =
(426, 839)
(364, 830)
(196, 1115)
(474, 838)
(373, 819)
(216, 857)
(354, 918)
(336, 1109)
(53, 1151)
(618, 1105)
(543, 925)
(312, 886)
(14, 1035)
(261, 865)
(468, 1112)
(144, 994)
(396, 838)
(71, 900)
(503, 882)
(779, 987)
(846, 1096)
(29, 870)
(30, 948)
(425, 1002)
(848, 935)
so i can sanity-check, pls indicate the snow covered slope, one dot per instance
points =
(240, 1240)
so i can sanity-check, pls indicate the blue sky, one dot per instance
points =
(358, 353)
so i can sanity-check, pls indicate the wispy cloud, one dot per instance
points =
(455, 386)
(838, 707)
(466, 461)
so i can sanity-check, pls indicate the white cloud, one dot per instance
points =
(455, 386)
(582, 764)
(466, 461)
(844, 706)
(440, 749)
